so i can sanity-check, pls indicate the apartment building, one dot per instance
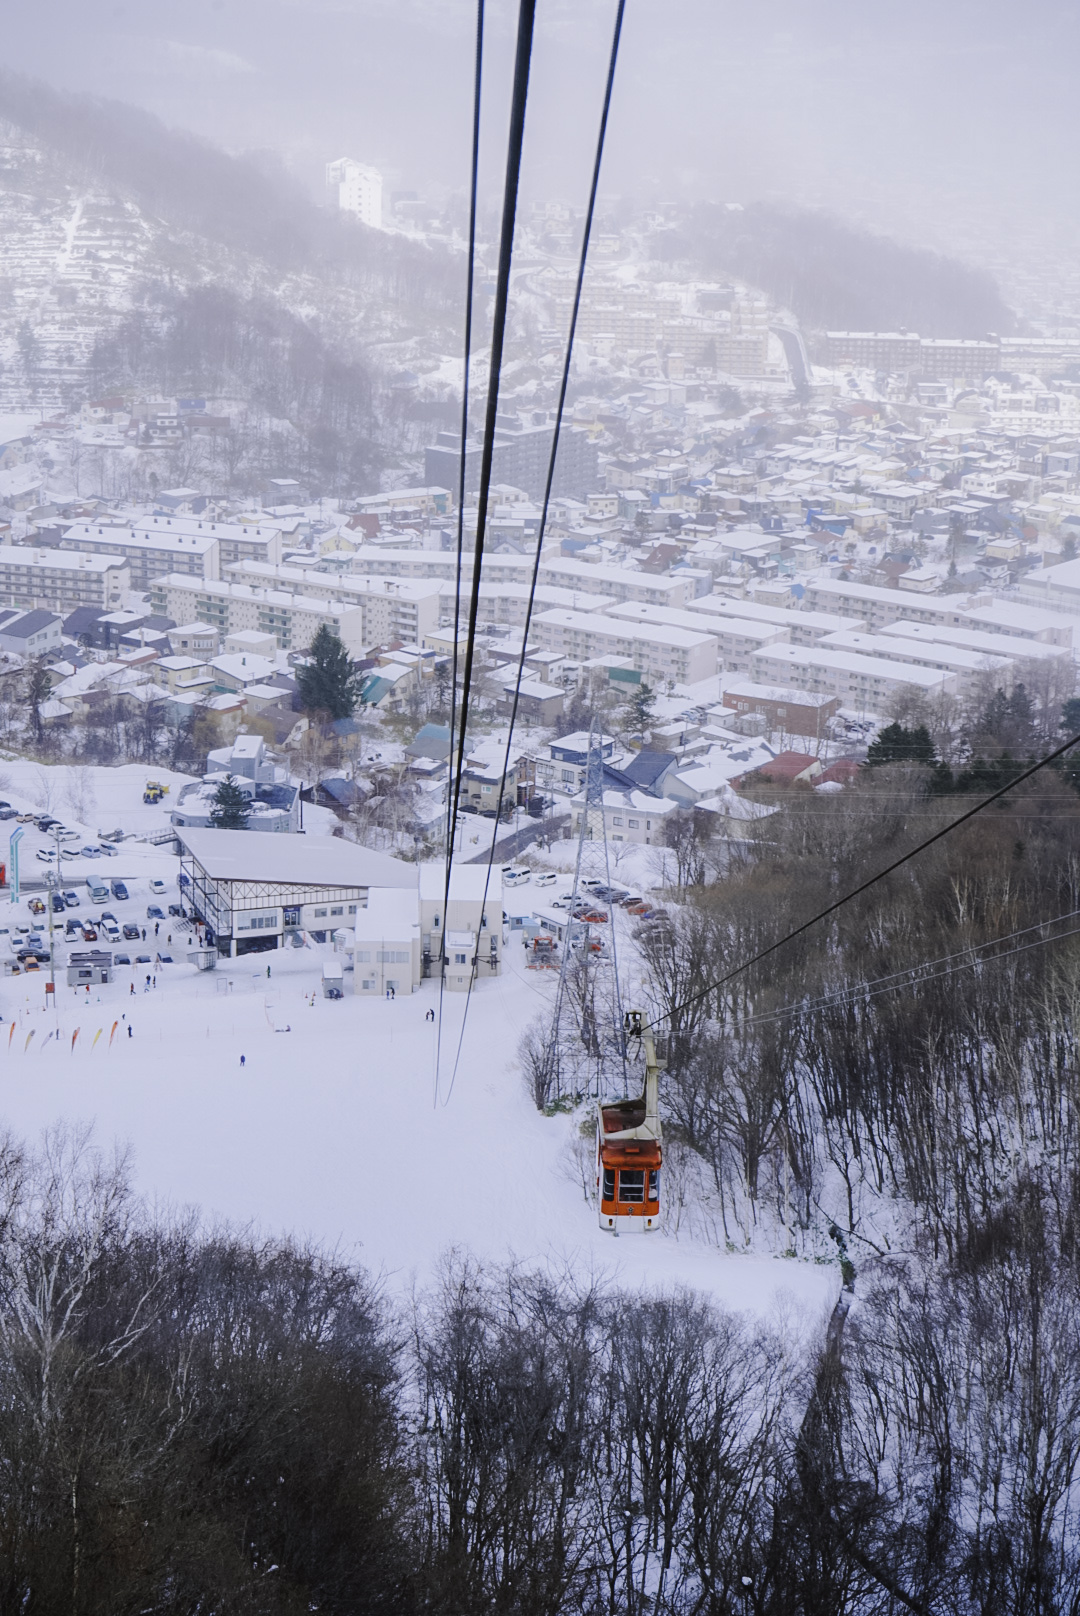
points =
(293, 620)
(803, 627)
(968, 666)
(520, 457)
(236, 541)
(621, 583)
(61, 579)
(973, 639)
(401, 609)
(665, 655)
(864, 683)
(508, 603)
(877, 606)
(149, 554)
(737, 638)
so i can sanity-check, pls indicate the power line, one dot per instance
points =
(564, 382)
(905, 858)
(515, 141)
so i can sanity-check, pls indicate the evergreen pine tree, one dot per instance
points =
(896, 744)
(231, 806)
(641, 705)
(329, 684)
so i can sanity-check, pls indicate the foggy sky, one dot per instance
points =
(919, 117)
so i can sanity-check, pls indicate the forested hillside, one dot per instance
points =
(835, 277)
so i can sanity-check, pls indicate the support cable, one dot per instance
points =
(550, 477)
(470, 277)
(515, 141)
(915, 976)
(865, 886)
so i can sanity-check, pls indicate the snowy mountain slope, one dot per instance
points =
(333, 1126)
(89, 236)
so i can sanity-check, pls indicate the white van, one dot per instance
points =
(99, 892)
(545, 878)
(515, 875)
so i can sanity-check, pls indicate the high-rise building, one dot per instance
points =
(359, 189)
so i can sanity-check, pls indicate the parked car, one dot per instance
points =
(515, 875)
(107, 849)
(107, 914)
(25, 819)
(131, 933)
(545, 878)
(45, 821)
(90, 852)
(58, 904)
(158, 888)
(177, 909)
(154, 912)
(36, 907)
(591, 883)
(142, 959)
(121, 959)
(64, 835)
(71, 899)
(89, 932)
(119, 891)
(561, 903)
(112, 931)
(8, 813)
(47, 855)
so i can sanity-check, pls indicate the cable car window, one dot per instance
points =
(608, 1191)
(631, 1184)
(654, 1183)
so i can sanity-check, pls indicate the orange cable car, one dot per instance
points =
(629, 1147)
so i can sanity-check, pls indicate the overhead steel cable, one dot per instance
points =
(865, 886)
(515, 141)
(470, 280)
(549, 480)
(915, 976)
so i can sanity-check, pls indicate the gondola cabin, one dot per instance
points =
(629, 1148)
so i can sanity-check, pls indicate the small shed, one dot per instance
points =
(333, 979)
(90, 969)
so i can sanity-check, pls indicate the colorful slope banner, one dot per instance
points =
(112, 1035)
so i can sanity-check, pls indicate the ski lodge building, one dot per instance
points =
(252, 891)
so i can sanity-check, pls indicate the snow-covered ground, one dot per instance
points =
(333, 1127)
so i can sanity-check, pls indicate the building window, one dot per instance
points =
(363, 956)
(320, 914)
(634, 824)
(393, 956)
(459, 959)
(616, 819)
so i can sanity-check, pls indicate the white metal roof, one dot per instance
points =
(244, 855)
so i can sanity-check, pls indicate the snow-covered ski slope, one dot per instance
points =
(331, 1129)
